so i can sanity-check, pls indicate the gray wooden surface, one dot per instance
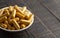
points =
(47, 19)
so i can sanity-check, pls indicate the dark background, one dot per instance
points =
(47, 19)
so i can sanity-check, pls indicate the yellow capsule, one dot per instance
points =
(13, 13)
(18, 9)
(20, 15)
(24, 21)
(27, 14)
(24, 9)
(3, 25)
(23, 26)
(1, 12)
(31, 18)
(17, 19)
(8, 25)
(7, 12)
(11, 8)
(3, 18)
(16, 25)
(12, 28)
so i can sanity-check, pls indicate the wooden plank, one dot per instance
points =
(52, 6)
(57, 32)
(57, 1)
(54, 9)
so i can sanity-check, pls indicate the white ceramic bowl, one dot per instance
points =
(19, 29)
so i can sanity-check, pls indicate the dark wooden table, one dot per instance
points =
(47, 19)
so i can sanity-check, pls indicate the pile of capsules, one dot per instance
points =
(15, 17)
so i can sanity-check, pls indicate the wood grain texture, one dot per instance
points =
(46, 23)
(54, 9)
(52, 6)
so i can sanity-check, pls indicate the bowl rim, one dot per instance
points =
(19, 29)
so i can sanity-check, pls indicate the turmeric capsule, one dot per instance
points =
(28, 16)
(12, 28)
(11, 8)
(16, 25)
(4, 26)
(23, 26)
(1, 12)
(7, 12)
(24, 21)
(31, 18)
(17, 19)
(18, 9)
(8, 25)
(9, 21)
(20, 15)
(13, 13)
(3, 18)
(24, 9)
